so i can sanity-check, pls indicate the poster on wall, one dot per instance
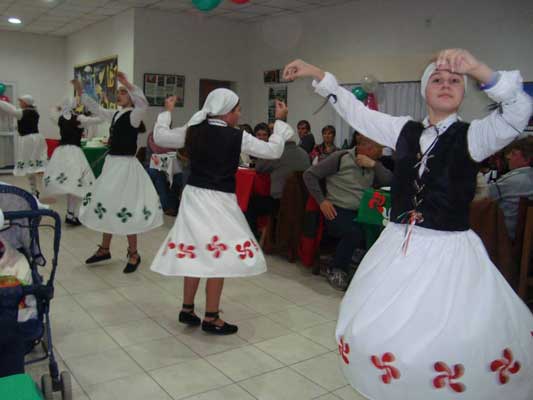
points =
(278, 92)
(99, 80)
(157, 87)
(528, 88)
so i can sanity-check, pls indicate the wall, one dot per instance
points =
(192, 46)
(35, 63)
(359, 38)
(114, 36)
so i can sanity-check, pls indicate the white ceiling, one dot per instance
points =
(63, 17)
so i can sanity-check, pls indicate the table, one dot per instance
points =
(166, 162)
(374, 213)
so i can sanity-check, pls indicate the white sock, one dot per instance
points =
(32, 179)
(73, 205)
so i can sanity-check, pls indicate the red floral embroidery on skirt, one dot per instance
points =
(504, 366)
(448, 377)
(390, 371)
(215, 247)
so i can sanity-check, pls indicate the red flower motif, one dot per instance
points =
(216, 248)
(244, 250)
(447, 377)
(377, 201)
(344, 350)
(170, 245)
(390, 371)
(185, 251)
(505, 366)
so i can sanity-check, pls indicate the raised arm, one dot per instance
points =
(163, 135)
(92, 106)
(10, 109)
(488, 135)
(380, 127)
(138, 99)
(87, 121)
(276, 142)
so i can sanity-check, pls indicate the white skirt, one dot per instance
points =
(123, 199)
(437, 323)
(68, 172)
(210, 239)
(30, 154)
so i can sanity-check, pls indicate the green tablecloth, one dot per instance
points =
(95, 157)
(374, 212)
(19, 387)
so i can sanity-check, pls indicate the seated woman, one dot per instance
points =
(321, 151)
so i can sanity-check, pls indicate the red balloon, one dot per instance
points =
(240, 1)
(371, 101)
(5, 98)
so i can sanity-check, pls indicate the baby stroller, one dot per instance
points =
(20, 231)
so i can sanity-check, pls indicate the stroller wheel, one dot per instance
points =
(66, 386)
(46, 387)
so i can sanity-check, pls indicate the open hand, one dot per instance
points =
(364, 161)
(299, 69)
(328, 209)
(457, 60)
(78, 88)
(281, 110)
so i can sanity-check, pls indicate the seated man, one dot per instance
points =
(169, 196)
(293, 159)
(518, 182)
(347, 174)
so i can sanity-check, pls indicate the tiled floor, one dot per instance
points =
(119, 337)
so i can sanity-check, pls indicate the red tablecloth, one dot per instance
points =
(52, 145)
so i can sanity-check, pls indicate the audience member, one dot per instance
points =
(307, 140)
(517, 183)
(347, 173)
(323, 150)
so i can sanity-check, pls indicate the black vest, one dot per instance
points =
(122, 136)
(214, 153)
(444, 192)
(70, 131)
(29, 122)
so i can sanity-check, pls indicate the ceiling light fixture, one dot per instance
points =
(14, 20)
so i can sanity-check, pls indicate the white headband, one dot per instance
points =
(430, 69)
(218, 102)
(28, 99)
(67, 107)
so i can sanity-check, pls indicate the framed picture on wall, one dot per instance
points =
(528, 87)
(157, 87)
(99, 80)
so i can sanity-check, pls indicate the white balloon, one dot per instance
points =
(369, 83)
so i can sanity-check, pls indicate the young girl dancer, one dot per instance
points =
(123, 200)
(68, 171)
(211, 238)
(427, 315)
(30, 146)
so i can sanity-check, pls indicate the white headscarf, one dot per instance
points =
(67, 107)
(218, 102)
(430, 69)
(28, 99)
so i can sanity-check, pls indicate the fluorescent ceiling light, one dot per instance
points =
(14, 20)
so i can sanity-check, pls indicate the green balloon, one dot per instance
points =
(206, 5)
(359, 93)
(2, 89)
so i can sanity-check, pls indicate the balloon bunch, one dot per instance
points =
(208, 5)
(2, 91)
(365, 92)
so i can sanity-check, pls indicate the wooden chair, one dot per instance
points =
(526, 281)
